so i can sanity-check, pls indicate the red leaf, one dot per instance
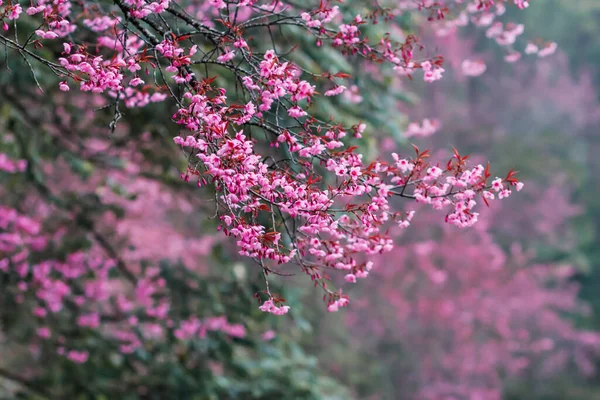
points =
(342, 75)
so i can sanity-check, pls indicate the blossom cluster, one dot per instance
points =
(304, 195)
(333, 223)
(84, 284)
(426, 128)
(8, 164)
(472, 298)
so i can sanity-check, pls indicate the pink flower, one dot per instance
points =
(89, 320)
(547, 50)
(512, 57)
(15, 12)
(227, 56)
(268, 335)
(296, 112)
(46, 35)
(473, 68)
(531, 48)
(335, 91)
(136, 81)
(269, 306)
(426, 128)
(355, 173)
(497, 184)
(34, 10)
(432, 72)
(335, 305)
(78, 357)
(43, 332)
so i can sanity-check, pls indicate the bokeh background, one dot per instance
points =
(507, 310)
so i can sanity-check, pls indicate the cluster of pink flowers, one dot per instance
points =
(322, 207)
(431, 72)
(426, 128)
(56, 18)
(485, 14)
(89, 287)
(141, 9)
(11, 12)
(277, 80)
(8, 164)
(545, 50)
(19, 233)
(322, 16)
(95, 74)
(466, 299)
(504, 34)
(269, 306)
(193, 328)
(83, 283)
(171, 51)
(473, 68)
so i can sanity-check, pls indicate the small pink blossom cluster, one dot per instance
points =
(504, 34)
(7, 164)
(323, 205)
(270, 307)
(94, 73)
(175, 54)
(348, 37)
(11, 11)
(402, 57)
(432, 72)
(352, 95)
(473, 68)
(522, 3)
(194, 328)
(485, 13)
(322, 16)
(56, 16)
(426, 128)
(545, 50)
(77, 356)
(142, 9)
(349, 34)
(336, 304)
(132, 97)
(277, 80)
(19, 235)
(101, 23)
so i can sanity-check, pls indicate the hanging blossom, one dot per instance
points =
(426, 128)
(332, 223)
(473, 68)
(309, 198)
(483, 14)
